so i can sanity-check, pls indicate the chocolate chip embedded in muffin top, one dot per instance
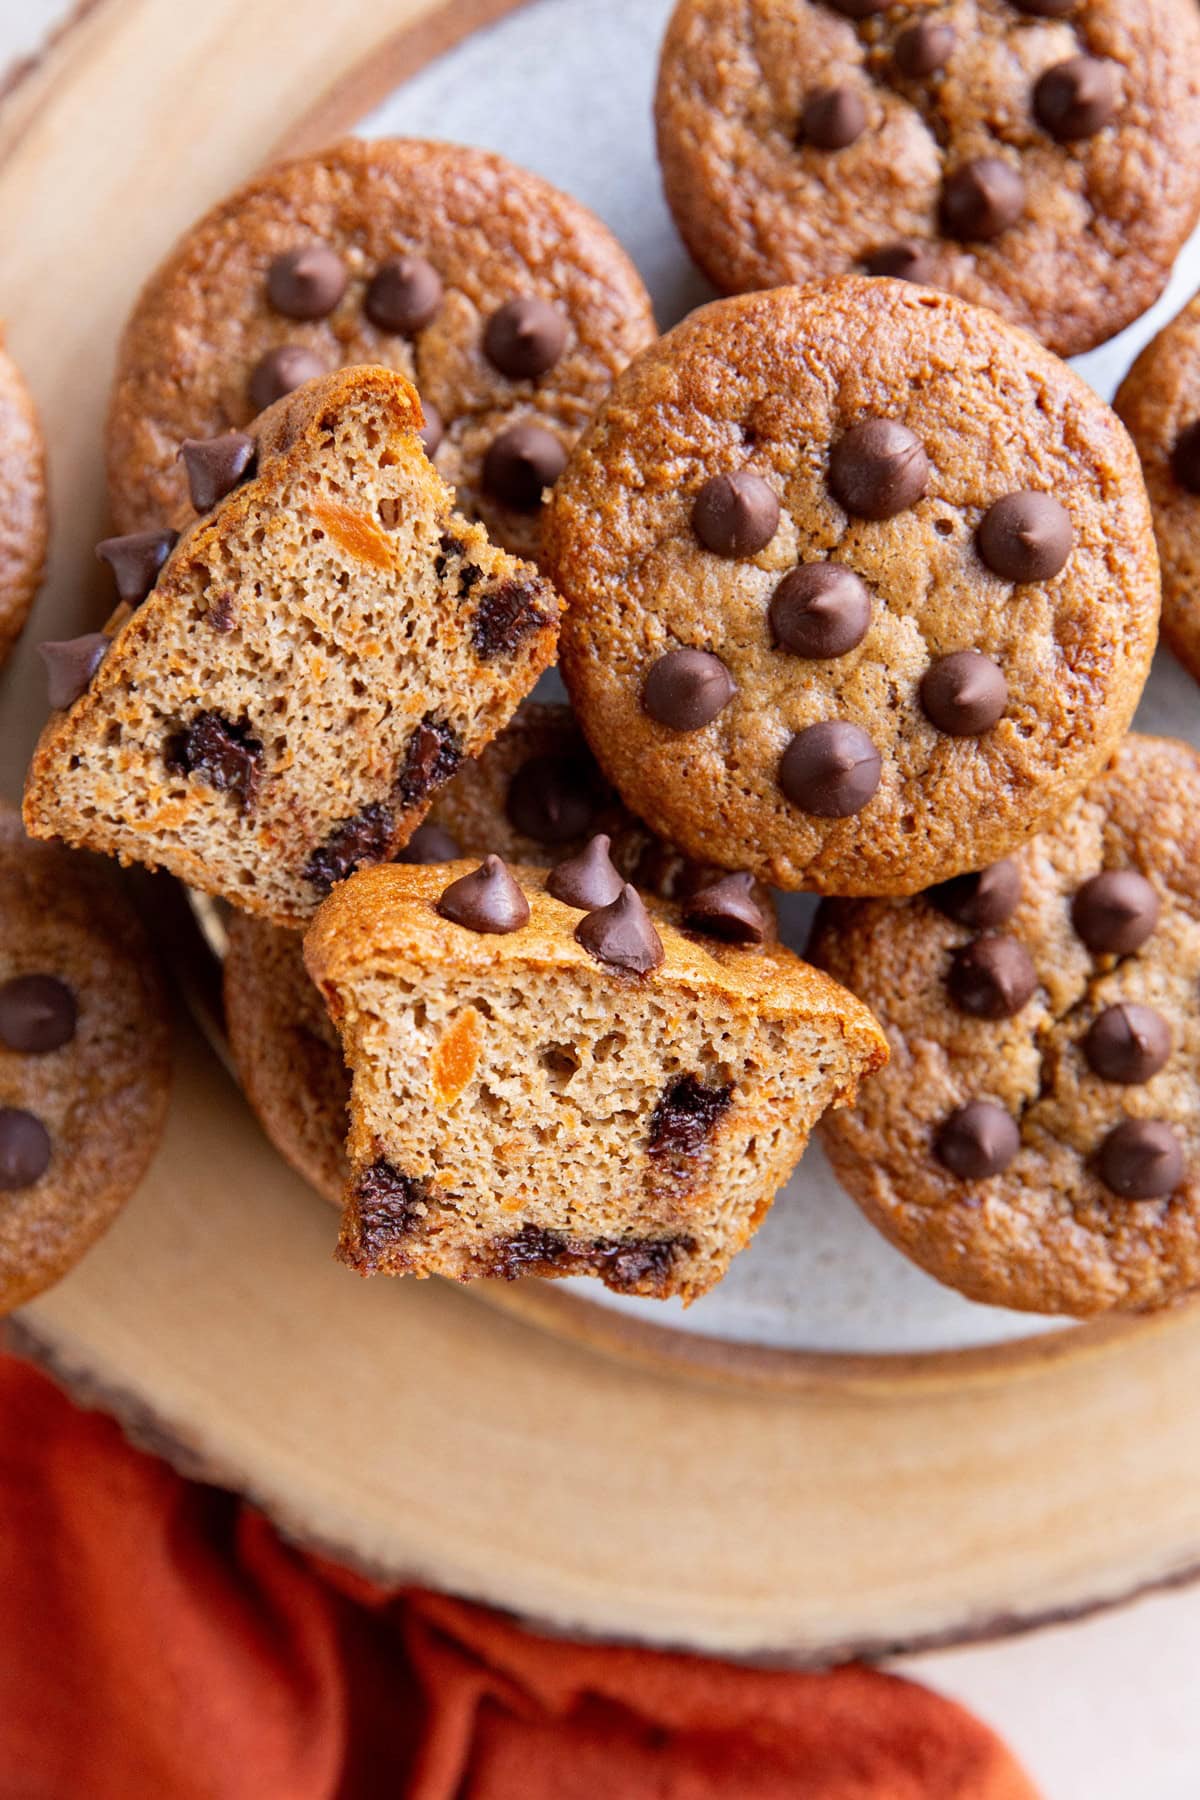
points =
(488, 900)
(1115, 912)
(1185, 458)
(622, 935)
(924, 48)
(25, 1149)
(736, 514)
(991, 978)
(830, 770)
(964, 695)
(306, 283)
(820, 610)
(506, 614)
(215, 466)
(977, 1141)
(726, 909)
(281, 371)
(353, 844)
(1026, 537)
(71, 664)
(1127, 1043)
(403, 295)
(135, 560)
(686, 1116)
(525, 337)
(220, 752)
(38, 1014)
(902, 262)
(1076, 98)
(589, 880)
(878, 468)
(521, 464)
(429, 844)
(1141, 1159)
(554, 799)
(987, 898)
(832, 118)
(686, 689)
(982, 198)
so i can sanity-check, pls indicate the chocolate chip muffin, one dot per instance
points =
(1039, 158)
(861, 586)
(84, 1059)
(1035, 1141)
(317, 656)
(23, 524)
(1159, 400)
(551, 1078)
(507, 303)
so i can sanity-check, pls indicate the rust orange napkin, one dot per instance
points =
(159, 1641)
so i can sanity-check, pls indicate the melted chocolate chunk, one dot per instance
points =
(506, 615)
(219, 752)
(356, 842)
(433, 755)
(686, 1117)
(526, 1251)
(449, 546)
(389, 1208)
(631, 1266)
(220, 613)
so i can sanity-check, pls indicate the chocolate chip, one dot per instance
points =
(820, 610)
(978, 1141)
(281, 371)
(37, 1014)
(726, 909)
(631, 1266)
(70, 665)
(135, 561)
(686, 689)
(860, 9)
(521, 464)
(1114, 913)
(1127, 1043)
(429, 844)
(832, 118)
(306, 283)
(1185, 458)
(878, 468)
(488, 900)
(1046, 9)
(1076, 98)
(685, 1118)
(215, 466)
(589, 880)
(433, 754)
(904, 261)
(403, 295)
(924, 48)
(220, 753)
(992, 978)
(737, 514)
(554, 799)
(525, 337)
(24, 1149)
(526, 1252)
(507, 613)
(433, 430)
(622, 934)
(353, 844)
(988, 898)
(220, 612)
(982, 199)
(964, 695)
(389, 1207)
(1141, 1159)
(1026, 537)
(830, 770)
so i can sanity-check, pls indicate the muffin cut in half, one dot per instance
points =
(525, 1103)
(318, 655)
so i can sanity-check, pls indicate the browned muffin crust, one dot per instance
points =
(23, 521)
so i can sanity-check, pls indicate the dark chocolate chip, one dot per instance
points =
(306, 283)
(220, 612)
(487, 900)
(978, 1141)
(964, 695)
(1127, 1043)
(388, 1208)
(622, 934)
(429, 844)
(1141, 1159)
(25, 1149)
(1076, 98)
(215, 466)
(832, 118)
(521, 464)
(1046, 9)
(1026, 536)
(524, 1253)
(641, 1262)
(219, 752)
(685, 1118)
(1114, 913)
(1185, 458)
(904, 261)
(506, 614)
(281, 371)
(70, 665)
(353, 844)
(686, 689)
(820, 610)
(135, 561)
(981, 199)
(403, 295)
(986, 899)
(992, 978)
(554, 799)
(433, 430)
(830, 770)
(878, 468)
(525, 337)
(924, 48)
(726, 909)
(432, 756)
(37, 1014)
(737, 514)
(589, 880)
(860, 9)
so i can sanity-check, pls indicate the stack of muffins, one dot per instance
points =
(854, 589)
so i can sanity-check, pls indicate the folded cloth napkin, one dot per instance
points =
(159, 1639)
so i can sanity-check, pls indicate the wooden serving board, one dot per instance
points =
(862, 1504)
